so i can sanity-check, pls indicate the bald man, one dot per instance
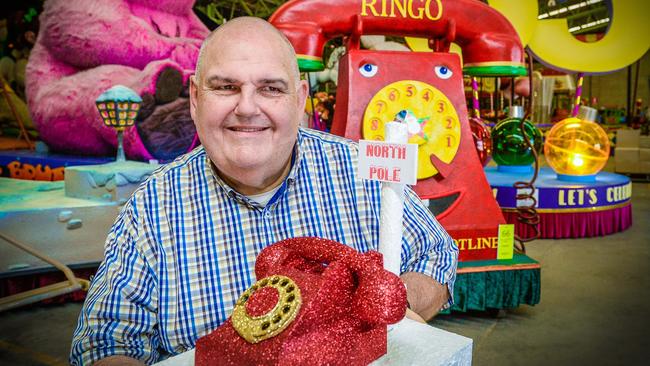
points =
(183, 248)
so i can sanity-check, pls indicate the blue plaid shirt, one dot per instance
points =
(183, 248)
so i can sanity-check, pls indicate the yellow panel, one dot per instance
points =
(521, 14)
(625, 42)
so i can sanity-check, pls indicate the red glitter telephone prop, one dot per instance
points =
(374, 86)
(317, 302)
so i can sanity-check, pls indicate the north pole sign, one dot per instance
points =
(388, 162)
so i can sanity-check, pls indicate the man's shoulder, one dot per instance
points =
(185, 166)
(183, 162)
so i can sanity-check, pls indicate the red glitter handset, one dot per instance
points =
(317, 302)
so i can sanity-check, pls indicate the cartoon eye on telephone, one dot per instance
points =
(315, 299)
(374, 87)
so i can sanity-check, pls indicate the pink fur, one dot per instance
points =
(85, 47)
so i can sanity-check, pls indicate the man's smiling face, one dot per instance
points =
(246, 103)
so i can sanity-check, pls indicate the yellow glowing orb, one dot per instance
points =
(576, 147)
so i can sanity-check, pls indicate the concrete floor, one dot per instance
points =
(594, 309)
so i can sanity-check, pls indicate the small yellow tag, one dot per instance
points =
(506, 241)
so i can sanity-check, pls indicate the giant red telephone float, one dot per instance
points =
(374, 86)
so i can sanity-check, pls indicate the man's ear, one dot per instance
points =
(193, 96)
(302, 92)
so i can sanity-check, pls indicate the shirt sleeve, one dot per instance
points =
(119, 314)
(426, 247)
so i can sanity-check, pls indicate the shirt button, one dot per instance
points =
(267, 215)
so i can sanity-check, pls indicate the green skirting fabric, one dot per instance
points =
(505, 288)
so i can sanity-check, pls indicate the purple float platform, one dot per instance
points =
(567, 209)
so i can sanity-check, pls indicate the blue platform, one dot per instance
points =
(607, 190)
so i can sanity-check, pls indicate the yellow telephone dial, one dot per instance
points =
(436, 133)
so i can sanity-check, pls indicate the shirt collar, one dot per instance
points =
(211, 171)
(296, 158)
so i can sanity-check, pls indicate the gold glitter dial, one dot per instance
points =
(255, 329)
(432, 121)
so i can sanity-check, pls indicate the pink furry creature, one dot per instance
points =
(85, 47)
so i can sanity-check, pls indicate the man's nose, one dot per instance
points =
(247, 103)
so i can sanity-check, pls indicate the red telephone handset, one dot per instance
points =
(490, 43)
(317, 255)
(316, 301)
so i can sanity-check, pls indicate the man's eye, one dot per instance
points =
(226, 88)
(271, 89)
